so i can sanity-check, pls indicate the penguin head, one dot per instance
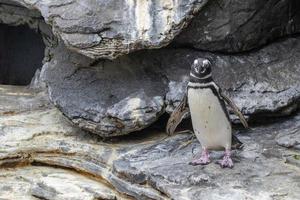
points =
(201, 68)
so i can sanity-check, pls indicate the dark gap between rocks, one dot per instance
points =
(173, 45)
(21, 54)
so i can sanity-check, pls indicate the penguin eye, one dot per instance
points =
(197, 69)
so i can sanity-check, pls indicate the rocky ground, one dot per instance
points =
(116, 68)
(43, 156)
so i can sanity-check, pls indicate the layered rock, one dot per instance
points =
(235, 26)
(117, 97)
(108, 98)
(43, 156)
(108, 29)
(128, 94)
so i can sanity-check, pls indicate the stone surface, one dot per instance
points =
(107, 98)
(235, 26)
(113, 98)
(107, 29)
(289, 138)
(50, 183)
(117, 97)
(42, 156)
(13, 14)
(16, 99)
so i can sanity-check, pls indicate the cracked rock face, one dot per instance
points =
(44, 156)
(235, 26)
(108, 29)
(108, 98)
(127, 94)
(33, 183)
(52, 159)
(117, 97)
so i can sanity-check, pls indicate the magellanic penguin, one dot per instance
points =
(210, 118)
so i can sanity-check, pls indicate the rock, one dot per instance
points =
(293, 159)
(44, 156)
(176, 91)
(234, 26)
(51, 183)
(15, 99)
(107, 98)
(108, 29)
(261, 83)
(112, 98)
(13, 14)
(42, 132)
(36, 82)
(289, 137)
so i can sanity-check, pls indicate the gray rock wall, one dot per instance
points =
(108, 29)
(129, 93)
(44, 156)
(236, 26)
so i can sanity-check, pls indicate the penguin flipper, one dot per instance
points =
(236, 143)
(177, 116)
(236, 110)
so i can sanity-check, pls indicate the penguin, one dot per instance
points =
(209, 115)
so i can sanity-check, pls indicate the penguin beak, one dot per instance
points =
(202, 70)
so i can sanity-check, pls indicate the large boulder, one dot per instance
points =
(105, 97)
(117, 97)
(235, 26)
(107, 29)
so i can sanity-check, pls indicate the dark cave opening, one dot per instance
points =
(21, 54)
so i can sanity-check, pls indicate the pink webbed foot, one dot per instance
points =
(202, 160)
(226, 161)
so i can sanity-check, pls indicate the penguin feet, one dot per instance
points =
(226, 161)
(202, 160)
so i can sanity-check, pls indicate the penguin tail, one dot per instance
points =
(236, 143)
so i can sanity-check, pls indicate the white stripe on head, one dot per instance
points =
(206, 62)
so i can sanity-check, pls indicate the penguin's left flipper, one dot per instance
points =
(235, 110)
(177, 116)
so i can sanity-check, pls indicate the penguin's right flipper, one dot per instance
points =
(177, 116)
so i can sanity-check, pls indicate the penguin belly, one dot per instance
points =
(210, 123)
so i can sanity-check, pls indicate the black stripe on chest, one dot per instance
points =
(216, 91)
(196, 80)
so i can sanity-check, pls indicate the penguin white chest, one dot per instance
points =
(210, 123)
